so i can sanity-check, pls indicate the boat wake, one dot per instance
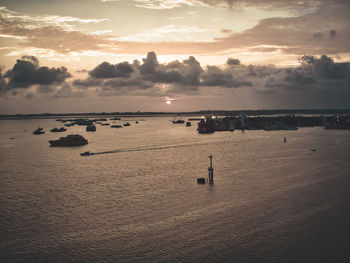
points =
(161, 147)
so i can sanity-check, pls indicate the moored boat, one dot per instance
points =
(86, 153)
(90, 128)
(62, 129)
(38, 131)
(177, 121)
(70, 140)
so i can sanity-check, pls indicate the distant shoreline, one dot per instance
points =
(167, 114)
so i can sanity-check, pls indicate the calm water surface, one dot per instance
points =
(270, 202)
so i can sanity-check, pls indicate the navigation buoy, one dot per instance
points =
(211, 170)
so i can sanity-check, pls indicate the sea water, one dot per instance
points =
(139, 201)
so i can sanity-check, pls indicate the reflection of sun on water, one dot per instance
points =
(168, 102)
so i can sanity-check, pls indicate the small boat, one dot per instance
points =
(38, 131)
(105, 124)
(126, 124)
(90, 128)
(201, 180)
(62, 129)
(177, 121)
(86, 153)
(116, 126)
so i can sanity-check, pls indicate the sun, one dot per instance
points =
(168, 102)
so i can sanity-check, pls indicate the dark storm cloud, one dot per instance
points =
(158, 79)
(299, 77)
(149, 64)
(107, 70)
(215, 76)
(318, 76)
(26, 72)
(185, 73)
(87, 83)
(325, 68)
(261, 71)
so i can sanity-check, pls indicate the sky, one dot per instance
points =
(63, 56)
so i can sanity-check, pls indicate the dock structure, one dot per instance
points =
(211, 170)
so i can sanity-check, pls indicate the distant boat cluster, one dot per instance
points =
(271, 123)
(76, 139)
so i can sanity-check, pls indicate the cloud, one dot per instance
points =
(323, 29)
(313, 81)
(325, 68)
(226, 31)
(149, 64)
(233, 61)
(151, 78)
(162, 4)
(46, 89)
(67, 91)
(107, 70)
(26, 72)
(319, 76)
(47, 34)
(217, 77)
(3, 85)
(298, 35)
(166, 33)
(293, 5)
(66, 22)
